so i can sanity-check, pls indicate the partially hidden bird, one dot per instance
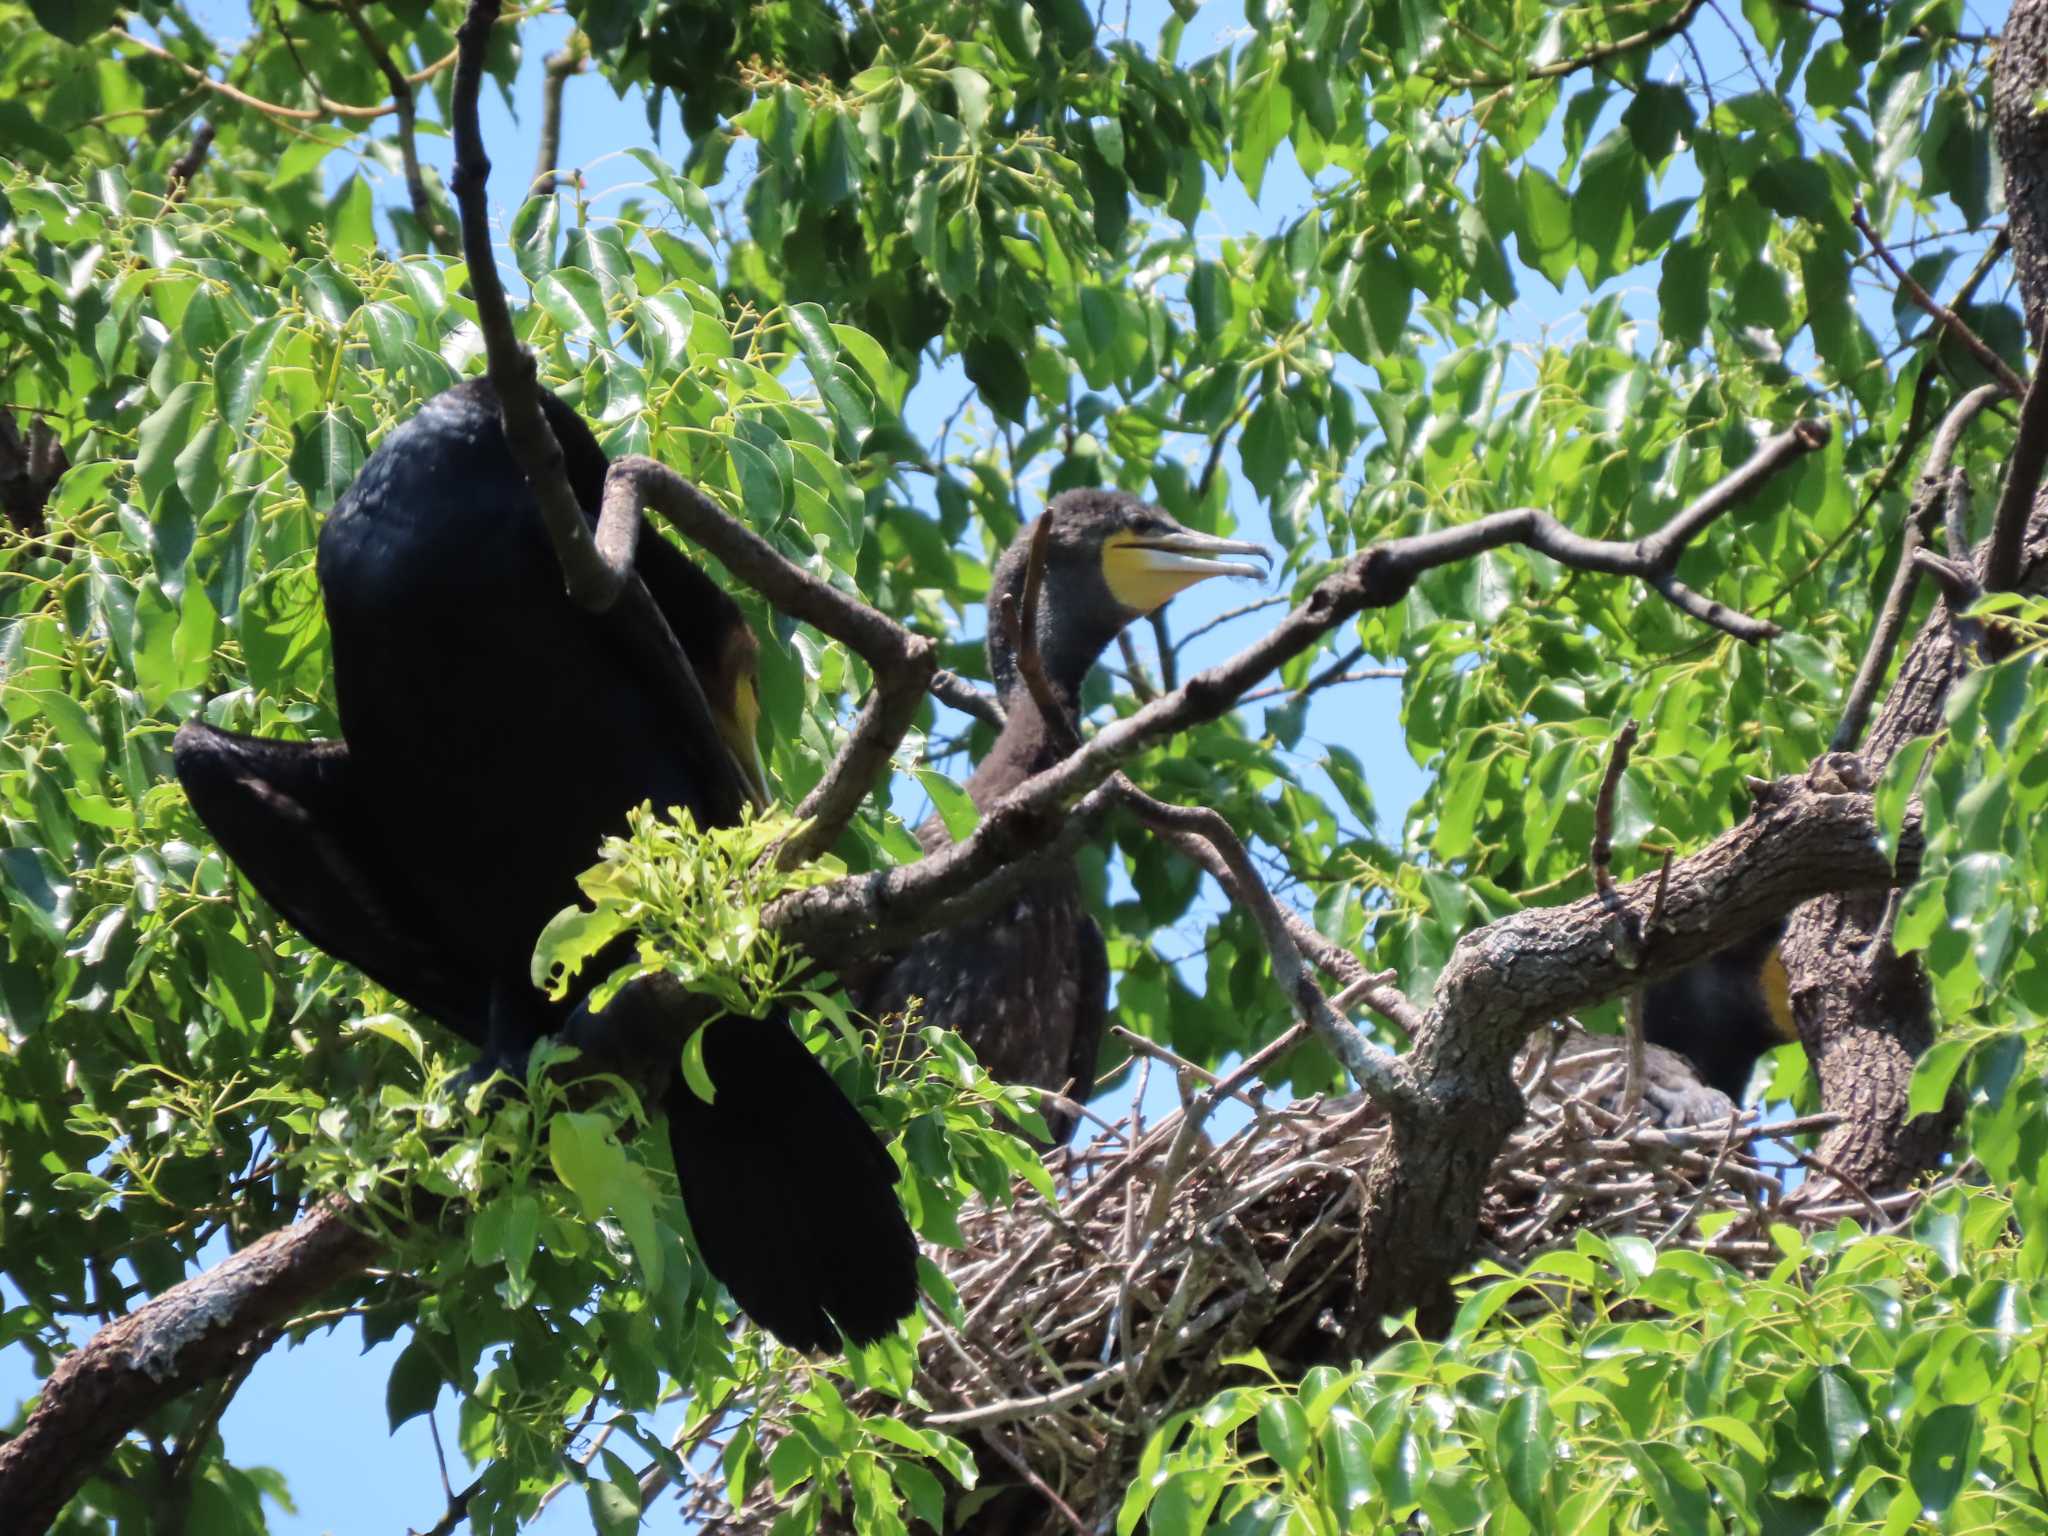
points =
(1725, 1012)
(493, 734)
(1027, 985)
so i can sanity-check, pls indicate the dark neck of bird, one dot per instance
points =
(1029, 743)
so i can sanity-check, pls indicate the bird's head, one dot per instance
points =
(1109, 558)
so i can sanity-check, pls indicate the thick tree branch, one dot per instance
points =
(193, 1333)
(834, 921)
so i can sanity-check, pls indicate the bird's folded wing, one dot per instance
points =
(285, 813)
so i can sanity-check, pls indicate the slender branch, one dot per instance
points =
(904, 662)
(2016, 497)
(1598, 54)
(408, 142)
(1272, 600)
(1943, 316)
(562, 63)
(878, 639)
(1603, 811)
(863, 759)
(327, 108)
(594, 584)
(1891, 619)
(178, 180)
(1162, 643)
(597, 569)
(830, 918)
(1376, 1071)
(952, 689)
(1134, 668)
(1663, 547)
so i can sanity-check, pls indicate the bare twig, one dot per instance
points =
(408, 145)
(1373, 1069)
(1891, 619)
(1603, 810)
(1598, 54)
(178, 180)
(327, 107)
(562, 63)
(953, 689)
(1942, 315)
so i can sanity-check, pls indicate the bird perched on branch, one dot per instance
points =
(1725, 1012)
(1027, 985)
(494, 734)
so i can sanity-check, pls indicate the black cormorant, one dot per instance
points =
(1725, 1012)
(1027, 986)
(494, 735)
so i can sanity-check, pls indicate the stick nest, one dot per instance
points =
(1087, 1323)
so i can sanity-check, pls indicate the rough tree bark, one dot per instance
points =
(1863, 1010)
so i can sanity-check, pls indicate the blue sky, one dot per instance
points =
(317, 1411)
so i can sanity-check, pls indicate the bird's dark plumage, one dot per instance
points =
(1027, 986)
(1725, 1012)
(495, 734)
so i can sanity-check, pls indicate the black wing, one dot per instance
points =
(286, 814)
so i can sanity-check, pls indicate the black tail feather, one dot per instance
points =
(790, 1193)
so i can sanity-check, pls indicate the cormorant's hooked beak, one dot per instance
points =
(1145, 570)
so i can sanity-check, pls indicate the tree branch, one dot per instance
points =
(408, 145)
(846, 916)
(562, 63)
(193, 1333)
(1891, 619)
(1943, 316)
(2001, 564)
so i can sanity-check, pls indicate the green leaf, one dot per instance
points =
(1832, 1421)
(1283, 1432)
(241, 370)
(1944, 1456)
(413, 1385)
(1544, 225)
(327, 451)
(162, 436)
(955, 809)
(1524, 1443)
(75, 20)
(573, 301)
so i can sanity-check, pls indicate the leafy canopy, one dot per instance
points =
(876, 210)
